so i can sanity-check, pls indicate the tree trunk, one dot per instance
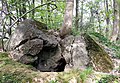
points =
(81, 17)
(3, 24)
(77, 17)
(115, 30)
(118, 38)
(33, 12)
(41, 9)
(92, 19)
(98, 17)
(67, 23)
(107, 18)
(48, 14)
(9, 31)
(17, 11)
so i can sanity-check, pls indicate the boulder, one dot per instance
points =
(45, 50)
(75, 52)
(100, 60)
(82, 51)
(29, 44)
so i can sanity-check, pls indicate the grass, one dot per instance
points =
(84, 75)
(109, 79)
(79, 75)
(15, 72)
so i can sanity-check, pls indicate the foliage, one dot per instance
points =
(53, 81)
(80, 75)
(94, 15)
(14, 78)
(109, 79)
(105, 41)
(85, 73)
(53, 18)
(101, 38)
(75, 32)
(10, 75)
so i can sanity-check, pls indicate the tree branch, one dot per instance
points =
(29, 12)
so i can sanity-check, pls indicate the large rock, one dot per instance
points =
(82, 51)
(100, 60)
(75, 52)
(30, 45)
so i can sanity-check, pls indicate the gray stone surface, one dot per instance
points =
(29, 44)
(82, 51)
(75, 52)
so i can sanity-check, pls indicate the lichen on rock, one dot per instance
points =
(100, 60)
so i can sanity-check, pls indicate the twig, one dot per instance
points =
(8, 14)
(52, 7)
(1, 37)
(27, 13)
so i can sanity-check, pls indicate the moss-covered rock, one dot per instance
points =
(100, 60)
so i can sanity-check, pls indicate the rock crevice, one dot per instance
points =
(29, 44)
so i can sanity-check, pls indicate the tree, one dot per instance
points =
(115, 30)
(67, 23)
(97, 11)
(107, 17)
(4, 8)
(81, 17)
(77, 13)
(91, 17)
(33, 12)
(119, 20)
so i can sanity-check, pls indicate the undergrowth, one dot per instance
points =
(13, 72)
(109, 79)
(115, 46)
(81, 76)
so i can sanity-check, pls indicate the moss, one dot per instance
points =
(15, 72)
(99, 58)
(114, 46)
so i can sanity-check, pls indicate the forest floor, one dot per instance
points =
(15, 72)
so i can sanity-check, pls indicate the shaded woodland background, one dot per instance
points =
(100, 16)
